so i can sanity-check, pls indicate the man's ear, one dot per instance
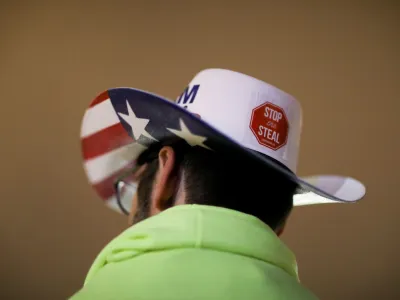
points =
(165, 181)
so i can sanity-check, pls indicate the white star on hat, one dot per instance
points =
(190, 138)
(138, 125)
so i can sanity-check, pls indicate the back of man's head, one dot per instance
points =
(209, 178)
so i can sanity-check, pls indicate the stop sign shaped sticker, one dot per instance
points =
(269, 125)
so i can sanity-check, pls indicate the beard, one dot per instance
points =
(144, 193)
(143, 206)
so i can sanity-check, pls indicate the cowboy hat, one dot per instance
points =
(220, 110)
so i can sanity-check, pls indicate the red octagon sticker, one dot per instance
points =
(269, 125)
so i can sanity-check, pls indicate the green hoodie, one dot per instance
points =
(195, 252)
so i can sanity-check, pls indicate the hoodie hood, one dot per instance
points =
(198, 226)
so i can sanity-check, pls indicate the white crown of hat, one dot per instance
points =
(255, 114)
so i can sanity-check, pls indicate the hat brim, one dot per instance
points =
(110, 144)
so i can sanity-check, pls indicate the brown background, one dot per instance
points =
(339, 58)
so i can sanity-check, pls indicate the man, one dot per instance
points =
(208, 184)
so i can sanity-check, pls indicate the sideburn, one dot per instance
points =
(144, 192)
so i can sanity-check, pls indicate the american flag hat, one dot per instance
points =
(220, 110)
